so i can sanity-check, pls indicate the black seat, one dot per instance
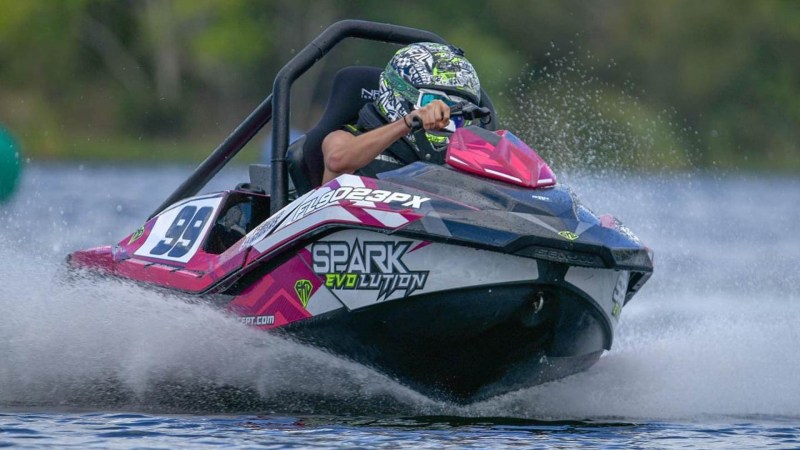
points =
(352, 88)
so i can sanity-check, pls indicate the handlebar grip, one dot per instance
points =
(416, 124)
(470, 111)
(464, 109)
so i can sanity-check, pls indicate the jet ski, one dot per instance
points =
(462, 279)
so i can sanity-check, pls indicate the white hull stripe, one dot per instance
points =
(329, 214)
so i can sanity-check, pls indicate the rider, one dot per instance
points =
(422, 80)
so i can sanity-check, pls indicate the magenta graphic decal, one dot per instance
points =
(282, 294)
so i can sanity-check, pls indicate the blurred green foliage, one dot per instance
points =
(642, 83)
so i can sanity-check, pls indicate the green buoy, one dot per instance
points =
(10, 164)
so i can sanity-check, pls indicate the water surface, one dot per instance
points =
(704, 356)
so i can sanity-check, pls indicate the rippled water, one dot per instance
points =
(159, 431)
(704, 356)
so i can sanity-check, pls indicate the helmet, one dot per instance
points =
(425, 65)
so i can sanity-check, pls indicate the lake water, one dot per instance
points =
(706, 355)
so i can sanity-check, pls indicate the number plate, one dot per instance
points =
(178, 232)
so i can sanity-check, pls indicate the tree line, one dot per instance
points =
(649, 84)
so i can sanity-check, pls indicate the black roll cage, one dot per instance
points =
(279, 100)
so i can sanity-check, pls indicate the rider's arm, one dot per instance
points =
(345, 153)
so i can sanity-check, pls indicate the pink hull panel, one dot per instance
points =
(98, 258)
(281, 296)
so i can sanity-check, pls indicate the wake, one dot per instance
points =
(77, 340)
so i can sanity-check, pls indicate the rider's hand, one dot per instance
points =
(434, 116)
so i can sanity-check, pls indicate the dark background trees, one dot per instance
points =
(655, 84)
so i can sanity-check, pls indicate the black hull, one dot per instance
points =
(467, 344)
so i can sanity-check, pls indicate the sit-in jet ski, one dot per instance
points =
(463, 279)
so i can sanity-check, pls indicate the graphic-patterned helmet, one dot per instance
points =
(425, 65)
